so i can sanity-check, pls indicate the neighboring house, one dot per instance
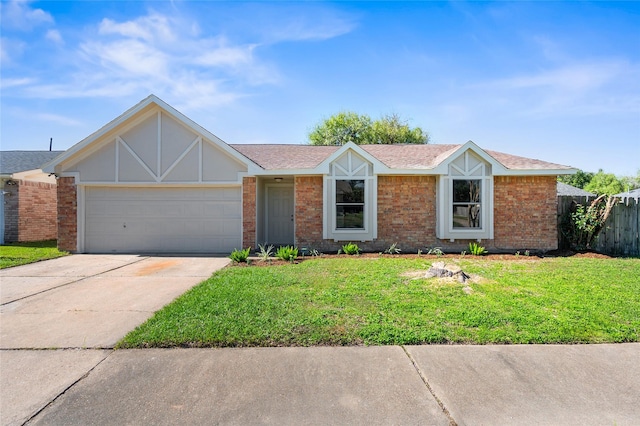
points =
(152, 180)
(29, 206)
(566, 190)
(629, 195)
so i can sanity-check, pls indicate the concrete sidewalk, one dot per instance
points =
(414, 385)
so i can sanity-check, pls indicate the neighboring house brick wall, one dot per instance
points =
(30, 211)
(249, 218)
(308, 211)
(67, 214)
(37, 212)
(525, 209)
(11, 206)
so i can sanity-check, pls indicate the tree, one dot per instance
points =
(630, 182)
(348, 126)
(579, 180)
(604, 183)
(392, 129)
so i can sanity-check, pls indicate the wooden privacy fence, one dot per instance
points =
(621, 233)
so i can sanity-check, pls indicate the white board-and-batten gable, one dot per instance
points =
(152, 143)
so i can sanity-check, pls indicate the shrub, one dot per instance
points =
(351, 249)
(582, 224)
(288, 253)
(240, 256)
(476, 249)
(265, 252)
(436, 250)
(393, 249)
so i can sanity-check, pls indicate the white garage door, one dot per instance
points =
(162, 220)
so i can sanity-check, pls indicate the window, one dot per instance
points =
(349, 204)
(466, 204)
(350, 190)
(465, 199)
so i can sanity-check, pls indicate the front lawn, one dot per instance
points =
(15, 254)
(377, 301)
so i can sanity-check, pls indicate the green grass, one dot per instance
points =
(351, 301)
(15, 254)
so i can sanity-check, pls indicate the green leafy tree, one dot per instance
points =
(579, 180)
(604, 183)
(341, 128)
(348, 126)
(630, 182)
(391, 129)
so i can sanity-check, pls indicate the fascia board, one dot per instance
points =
(50, 167)
(536, 172)
(151, 99)
(497, 167)
(378, 166)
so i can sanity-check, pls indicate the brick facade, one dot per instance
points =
(30, 211)
(249, 213)
(525, 213)
(308, 201)
(67, 214)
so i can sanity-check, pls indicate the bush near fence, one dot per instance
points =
(621, 233)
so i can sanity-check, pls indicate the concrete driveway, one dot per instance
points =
(79, 301)
(91, 301)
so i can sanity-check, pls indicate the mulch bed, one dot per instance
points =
(428, 257)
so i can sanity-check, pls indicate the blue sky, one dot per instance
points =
(557, 81)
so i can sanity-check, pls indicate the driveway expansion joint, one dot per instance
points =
(444, 409)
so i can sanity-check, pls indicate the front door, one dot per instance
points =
(280, 214)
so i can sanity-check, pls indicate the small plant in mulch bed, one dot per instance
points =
(350, 249)
(240, 256)
(287, 253)
(476, 249)
(265, 252)
(436, 250)
(393, 249)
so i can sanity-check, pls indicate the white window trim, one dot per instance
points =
(444, 222)
(370, 217)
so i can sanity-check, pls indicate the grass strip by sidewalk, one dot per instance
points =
(15, 254)
(351, 301)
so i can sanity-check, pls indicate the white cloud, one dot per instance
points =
(54, 36)
(151, 28)
(55, 118)
(128, 58)
(588, 88)
(6, 83)
(17, 14)
(175, 57)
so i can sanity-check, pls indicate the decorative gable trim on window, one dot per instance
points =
(465, 199)
(350, 194)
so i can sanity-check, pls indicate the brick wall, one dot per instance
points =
(30, 211)
(524, 215)
(406, 212)
(11, 206)
(308, 211)
(37, 212)
(525, 210)
(249, 218)
(67, 214)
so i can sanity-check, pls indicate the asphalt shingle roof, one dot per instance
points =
(572, 191)
(20, 161)
(283, 157)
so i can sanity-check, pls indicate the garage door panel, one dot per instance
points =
(204, 220)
